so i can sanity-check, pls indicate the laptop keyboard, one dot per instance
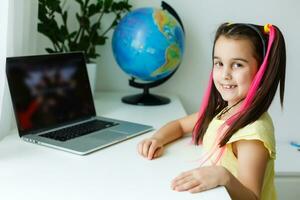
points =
(78, 130)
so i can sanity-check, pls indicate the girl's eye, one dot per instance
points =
(237, 65)
(218, 64)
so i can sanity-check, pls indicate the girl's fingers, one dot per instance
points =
(149, 148)
(158, 152)
(140, 148)
(181, 181)
(153, 147)
(181, 176)
(186, 185)
(197, 188)
(146, 146)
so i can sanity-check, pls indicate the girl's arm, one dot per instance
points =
(176, 129)
(153, 146)
(252, 159)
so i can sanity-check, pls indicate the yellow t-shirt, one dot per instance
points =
(262, 130)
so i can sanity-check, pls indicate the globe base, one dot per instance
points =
(146, 99)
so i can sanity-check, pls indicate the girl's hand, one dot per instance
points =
(200, 179)
(150, 148)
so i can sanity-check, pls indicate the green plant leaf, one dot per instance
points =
(72, 35)
(100, 40)
(83, 21)
(92, 10)
(115, 22)
(53, 24)
(50, 50)
(73, 46)
(116, 6)
(65, 16)
(92, 53)
(99, 5)
(50, 30)
(83, 43)
(64, 32)
(107, 5)
(95, 26)
(54, 5)
(42, 12)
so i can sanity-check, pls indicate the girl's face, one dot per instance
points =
(234, 68)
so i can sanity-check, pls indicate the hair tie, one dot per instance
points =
(267, 28)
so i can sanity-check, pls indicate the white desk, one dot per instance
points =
(287, 170)
(33, 172)
(287, 163)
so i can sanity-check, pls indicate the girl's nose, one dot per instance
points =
(226, 74)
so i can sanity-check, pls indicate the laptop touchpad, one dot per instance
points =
(106, 136)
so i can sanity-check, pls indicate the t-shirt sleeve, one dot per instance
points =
(262, 130)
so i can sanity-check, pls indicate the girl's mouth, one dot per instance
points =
(228, 86)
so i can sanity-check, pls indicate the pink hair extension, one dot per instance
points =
(246, 104)
(215, 147)
(203, 106)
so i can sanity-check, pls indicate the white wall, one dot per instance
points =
(21, 39)
(23, 22)
(4, 119)
(201, 19)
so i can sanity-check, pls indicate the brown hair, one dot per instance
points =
(274, 74)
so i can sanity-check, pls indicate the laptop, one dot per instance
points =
(54, 107)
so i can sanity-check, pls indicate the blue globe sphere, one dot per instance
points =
(148, 44)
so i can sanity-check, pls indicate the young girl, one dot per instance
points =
(233, 125)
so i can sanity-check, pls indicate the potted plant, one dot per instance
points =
(90, 32)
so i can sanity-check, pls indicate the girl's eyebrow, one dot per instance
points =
(240, 59)
(236, 59)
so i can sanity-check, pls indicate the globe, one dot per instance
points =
(148, 44)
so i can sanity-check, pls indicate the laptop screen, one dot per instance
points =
(48, 91)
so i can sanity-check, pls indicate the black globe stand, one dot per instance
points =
(147, 99)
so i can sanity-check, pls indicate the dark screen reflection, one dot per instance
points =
(49, 90)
